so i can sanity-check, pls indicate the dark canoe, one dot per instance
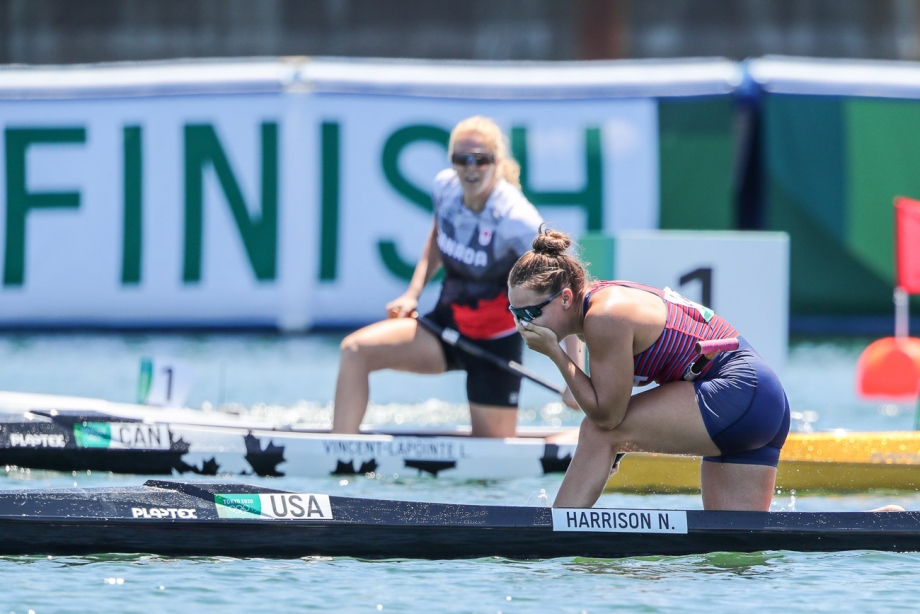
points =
(241, 520)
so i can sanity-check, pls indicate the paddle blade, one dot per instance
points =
(890, 369)
(907, 244)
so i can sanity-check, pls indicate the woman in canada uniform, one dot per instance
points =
(482, 224)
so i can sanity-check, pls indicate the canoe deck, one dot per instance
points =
(809, 463)
(244, 520)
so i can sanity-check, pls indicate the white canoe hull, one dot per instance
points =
(76, 434)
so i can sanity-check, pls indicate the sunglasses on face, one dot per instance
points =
(532, 312)
(475, 158)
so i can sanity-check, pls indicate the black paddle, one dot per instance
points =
(452, 337)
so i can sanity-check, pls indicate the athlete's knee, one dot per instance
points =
(607, 424)
(352, 350)
(599, 434)
(604, 421)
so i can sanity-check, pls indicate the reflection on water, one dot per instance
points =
(96, 559)
(842, 582)
(661, 567)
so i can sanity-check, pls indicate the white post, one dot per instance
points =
(901, 321)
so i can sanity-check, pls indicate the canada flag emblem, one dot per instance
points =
(485, 236)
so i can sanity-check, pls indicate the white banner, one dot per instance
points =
(292, 193)
(121, 212)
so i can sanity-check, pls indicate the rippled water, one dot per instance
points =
(292, 378)
(842, 582)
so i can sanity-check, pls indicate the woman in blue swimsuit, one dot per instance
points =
(734, 414)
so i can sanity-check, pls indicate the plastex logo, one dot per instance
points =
(165, 512)
(37, 440)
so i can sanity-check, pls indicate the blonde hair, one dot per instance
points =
(505, 166)
(547, 268)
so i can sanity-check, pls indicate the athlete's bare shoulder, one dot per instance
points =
(614, 301)
(617, 310)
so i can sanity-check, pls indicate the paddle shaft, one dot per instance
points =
(452, 337)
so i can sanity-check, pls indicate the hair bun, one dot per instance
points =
(551, 242)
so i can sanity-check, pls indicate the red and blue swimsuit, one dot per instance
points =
(741, 399)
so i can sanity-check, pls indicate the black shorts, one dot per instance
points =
(486, 384)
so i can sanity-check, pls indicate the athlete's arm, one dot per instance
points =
(609, 330)
(575, 350)
(428, 265)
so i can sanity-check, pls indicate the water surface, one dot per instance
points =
(292, 378)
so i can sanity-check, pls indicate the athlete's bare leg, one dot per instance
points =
(666, 420)
(399, 344)
(733, 486)
(493, 421)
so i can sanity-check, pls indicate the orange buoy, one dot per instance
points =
(890, 369)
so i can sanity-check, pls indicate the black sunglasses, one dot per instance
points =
(532, 312)
(476, 157)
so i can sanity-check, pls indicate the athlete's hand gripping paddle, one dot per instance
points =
(452, 337)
